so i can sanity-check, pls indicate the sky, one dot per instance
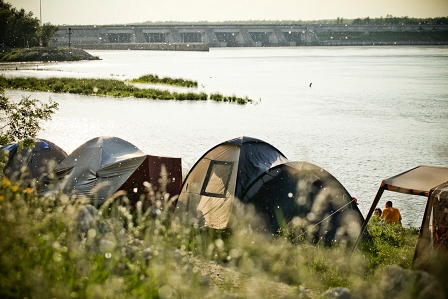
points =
(104, 12)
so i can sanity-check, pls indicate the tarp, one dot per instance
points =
(222, 175)
(307, 199)
(32, 165)
(418, 181)
(164, 174)
(98, 168)
(421, 180)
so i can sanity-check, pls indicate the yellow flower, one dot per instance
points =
(2, 198)
(15, 188)
(27, 190)
(6, 182)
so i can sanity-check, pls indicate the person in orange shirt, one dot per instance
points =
(391, 214)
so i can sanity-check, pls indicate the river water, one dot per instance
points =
(370, 113)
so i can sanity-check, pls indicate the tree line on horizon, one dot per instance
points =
(19, 29)
(388, 20)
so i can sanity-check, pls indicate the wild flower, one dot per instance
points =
(6, 182)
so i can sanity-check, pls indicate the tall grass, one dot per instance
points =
(62, 247)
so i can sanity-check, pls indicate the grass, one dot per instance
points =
(220, 98)
(61, 247)
(103, 87)
(154, 79)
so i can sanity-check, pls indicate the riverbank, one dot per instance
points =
(44, 54)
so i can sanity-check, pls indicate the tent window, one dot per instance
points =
(217, 179)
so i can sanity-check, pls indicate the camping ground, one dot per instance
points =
(60, 245)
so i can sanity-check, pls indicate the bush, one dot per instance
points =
(154, 79)
(390, 244)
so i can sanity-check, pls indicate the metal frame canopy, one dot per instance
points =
(421, 180)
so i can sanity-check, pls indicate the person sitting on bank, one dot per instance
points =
(377, 212)
(391, 214)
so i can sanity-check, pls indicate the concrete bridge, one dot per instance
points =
(202, 37)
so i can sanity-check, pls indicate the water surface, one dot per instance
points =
(370, 113)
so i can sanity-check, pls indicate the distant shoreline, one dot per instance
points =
(205, 48)
(201, 37)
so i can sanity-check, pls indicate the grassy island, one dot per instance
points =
(106, 87)
(44, 54)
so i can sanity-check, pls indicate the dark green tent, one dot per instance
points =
(305, 198)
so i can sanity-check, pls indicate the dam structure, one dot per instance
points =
(182, 37)
(199, 37)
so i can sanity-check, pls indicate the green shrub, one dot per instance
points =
(216, 97)
(154, 79)
(390, 244)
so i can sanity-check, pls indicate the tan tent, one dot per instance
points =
(220, 177)
(421, 180)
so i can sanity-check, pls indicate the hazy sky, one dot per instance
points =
(79, 12)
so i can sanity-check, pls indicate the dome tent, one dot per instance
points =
(97, 168)
(32, 164)
(306, 197)
(222, 174)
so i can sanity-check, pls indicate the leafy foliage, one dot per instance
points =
(390, 244)
(47, 32)
(21, 121)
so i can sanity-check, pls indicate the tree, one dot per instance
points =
(47, 31)
(21, 121)
(19, 29)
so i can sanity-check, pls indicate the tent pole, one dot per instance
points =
(424, 233)
(372, 208)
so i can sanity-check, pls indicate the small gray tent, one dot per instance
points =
(98, 168)
(221, 176)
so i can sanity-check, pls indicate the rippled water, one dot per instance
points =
(371, 112)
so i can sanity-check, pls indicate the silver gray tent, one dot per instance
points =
(98, 168)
